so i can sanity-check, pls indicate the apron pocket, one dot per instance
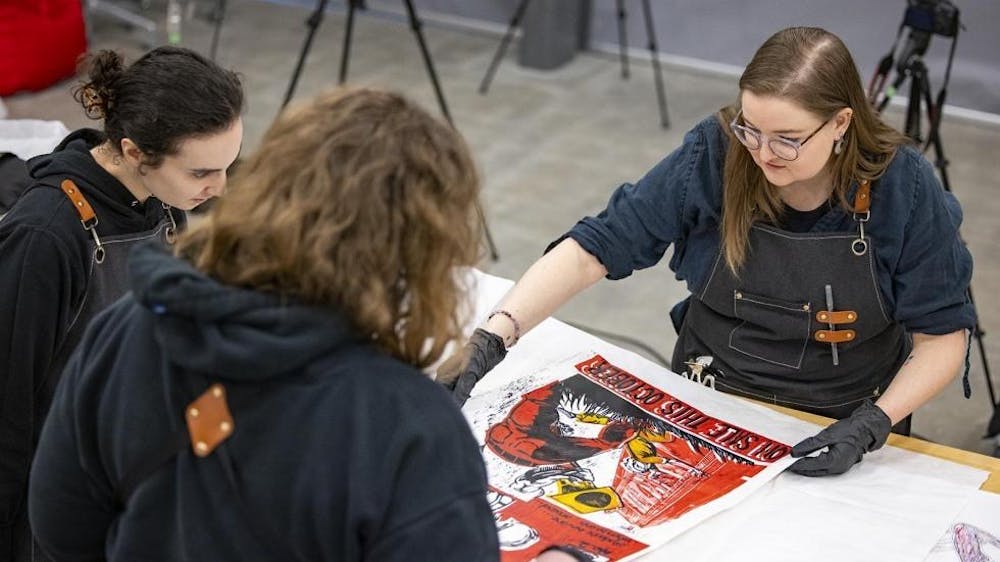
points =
(771, 330)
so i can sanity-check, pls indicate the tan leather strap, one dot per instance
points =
(834, 336)
(87, 215)
(209, 421)
(836, 316)
(863, 198)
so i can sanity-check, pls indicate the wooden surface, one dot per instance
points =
(968, 458)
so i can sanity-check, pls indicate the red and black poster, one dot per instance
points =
(589, 455)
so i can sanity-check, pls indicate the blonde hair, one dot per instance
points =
(813, 68)
(358, 200)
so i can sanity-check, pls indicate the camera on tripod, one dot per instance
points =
(939, 17)
(924, 18)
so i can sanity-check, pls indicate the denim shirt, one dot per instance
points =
(922, 266)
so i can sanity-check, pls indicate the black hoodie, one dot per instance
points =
(45, 266)
(340, 451)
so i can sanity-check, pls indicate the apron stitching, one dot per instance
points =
(791, 309)
(134, 238)
(90, 272)
(710, 277)
(773, 398)
(86, 294)
(731, 346)
(803, 237)
(878, 292)
(805, 341)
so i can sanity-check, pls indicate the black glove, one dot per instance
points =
(576, 554)
(866, 429)
(460, 372)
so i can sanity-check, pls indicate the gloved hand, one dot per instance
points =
(460, 372)
(562, 553)
(866, 429)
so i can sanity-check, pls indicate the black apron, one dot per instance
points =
(760, 334)
(107, 281)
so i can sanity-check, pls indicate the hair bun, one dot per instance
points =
(96, 94)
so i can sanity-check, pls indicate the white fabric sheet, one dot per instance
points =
(974, 536)
(27, 138)
(892, 506)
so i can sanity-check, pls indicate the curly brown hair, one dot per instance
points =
(358, 200)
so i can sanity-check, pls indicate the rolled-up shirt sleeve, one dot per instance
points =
(931, 280)
(642, 219)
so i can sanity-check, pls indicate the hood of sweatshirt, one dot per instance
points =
(72, 160)
(233, 333)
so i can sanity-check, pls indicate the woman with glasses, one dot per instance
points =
(822, 255)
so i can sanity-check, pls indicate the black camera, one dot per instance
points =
(926, 18)
(939, 17)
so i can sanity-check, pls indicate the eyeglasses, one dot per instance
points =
(786, 149)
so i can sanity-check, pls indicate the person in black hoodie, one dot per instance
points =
(306, 302)
(171, 128)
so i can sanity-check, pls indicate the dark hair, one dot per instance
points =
(165, 97)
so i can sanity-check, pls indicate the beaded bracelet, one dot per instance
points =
(517, 325)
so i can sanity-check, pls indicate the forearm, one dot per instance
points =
(559, 275)
(933, 363)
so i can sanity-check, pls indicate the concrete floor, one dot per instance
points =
(552, 146)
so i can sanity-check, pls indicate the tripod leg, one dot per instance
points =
(661, 97)
(622, 38)
(978, 334)
(220, 14)
(313, 23)
(918, 77)
(489, 235)
(933, 122)
(498, 56)
(345, 54)
(415, 24)
(941, 162)
(921, 88)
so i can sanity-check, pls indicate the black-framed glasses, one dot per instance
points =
(786, 149)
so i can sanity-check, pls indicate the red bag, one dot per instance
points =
(40, 41)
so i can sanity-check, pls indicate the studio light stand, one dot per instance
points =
(313, 24)
(922, 19)
(661, 97)
(218, 15)
(316, 19)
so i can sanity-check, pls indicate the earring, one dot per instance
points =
(838, 145)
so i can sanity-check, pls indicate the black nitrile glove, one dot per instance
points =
(460, 372)
(566, 549)
(866, 429)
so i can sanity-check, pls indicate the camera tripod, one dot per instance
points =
(316, 19)
(912, 67)
(661, 97)
(313, 24)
